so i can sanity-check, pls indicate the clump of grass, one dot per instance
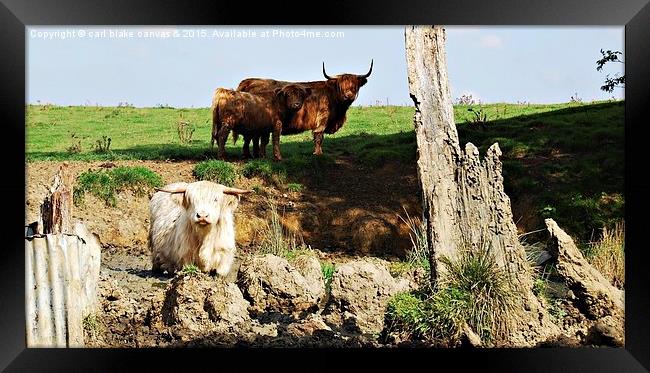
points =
(409, 314)
(184, 130)
(396, 269)
(75, 147)
(103, 145)
(294, 187)
(418, 254)
(266, 170)
(91, 325)
(480, 117)
(216, 170)
(277, 240)
(328, 272)
(608, 254)
(190, 270)
(486, 290)
(475, 292)
(104, 184)
(257, 188)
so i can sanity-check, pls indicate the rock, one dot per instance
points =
(470, 338)
(560, 341)
(360, 291)
(225, 303)
(595, 295)
(274, 286)
(200, 304)
(607, 331)
(310, 267)
(308, 326)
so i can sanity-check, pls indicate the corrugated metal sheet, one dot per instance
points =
(62, 272)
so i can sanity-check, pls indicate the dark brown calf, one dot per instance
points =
(324, 111)
(254, 114)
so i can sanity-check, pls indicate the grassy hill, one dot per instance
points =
(563, 161)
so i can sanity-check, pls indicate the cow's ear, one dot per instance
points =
(183, 199)
(278, 91)
(307, 91)
(362, 81)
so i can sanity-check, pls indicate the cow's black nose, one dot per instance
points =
(201, 216)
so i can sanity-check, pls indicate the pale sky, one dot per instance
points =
(181, 66)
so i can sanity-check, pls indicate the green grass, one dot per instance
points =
(328, 270)
(568, 158)
(295, 187)
(189, 270)
(410, 314)
(104, 184)
(216, 170)
(92, 326)
(270, 171)
(277, 240)
(475, 292)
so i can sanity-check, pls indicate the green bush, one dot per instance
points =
(216, 170)
(104, 184)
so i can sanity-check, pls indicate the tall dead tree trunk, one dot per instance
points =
(464, 202)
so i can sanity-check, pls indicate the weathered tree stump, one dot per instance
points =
(62, 261)
(464, 201)
(56, 210)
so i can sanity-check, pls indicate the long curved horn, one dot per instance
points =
(324, 73)
(177, 189)
(235, 191)
(369, 71)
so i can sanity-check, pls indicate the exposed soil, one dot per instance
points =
(350, 211)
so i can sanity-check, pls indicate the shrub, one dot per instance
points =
(216, 170)
(104, 184)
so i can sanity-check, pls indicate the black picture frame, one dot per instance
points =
(15, 15)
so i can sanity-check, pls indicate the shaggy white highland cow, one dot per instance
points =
(193, 223)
